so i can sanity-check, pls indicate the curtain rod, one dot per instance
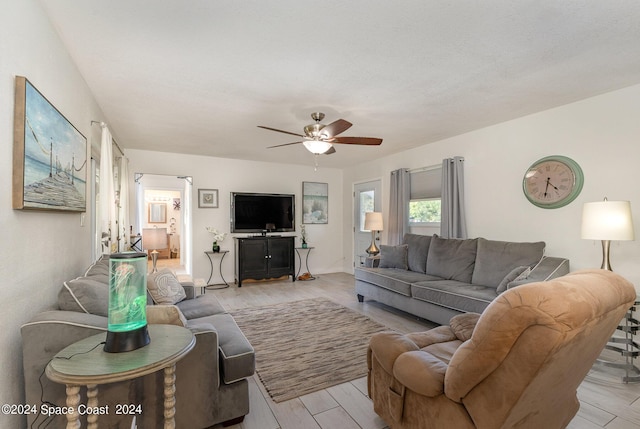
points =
(427, 168)
(104, 125)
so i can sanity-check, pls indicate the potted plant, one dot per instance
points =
(217, 237)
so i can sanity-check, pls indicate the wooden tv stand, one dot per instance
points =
(264, 257)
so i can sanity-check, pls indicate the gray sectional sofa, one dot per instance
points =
(436, 278)
(211, 381)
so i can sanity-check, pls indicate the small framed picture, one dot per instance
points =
(208, 198)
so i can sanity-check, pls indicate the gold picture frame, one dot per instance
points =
(49, 155)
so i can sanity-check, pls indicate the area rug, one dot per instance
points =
(305, 346)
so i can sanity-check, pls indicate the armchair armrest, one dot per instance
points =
(188, 285)
(420, 372)
(386, 347)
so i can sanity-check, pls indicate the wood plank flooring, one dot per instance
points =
(605, 401)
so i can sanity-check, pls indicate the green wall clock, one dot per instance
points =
(553, 182)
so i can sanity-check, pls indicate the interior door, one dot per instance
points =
(366, 198)
(179, 223)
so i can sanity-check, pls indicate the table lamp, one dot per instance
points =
(606, 221)
(373, 223)
(154, 239)
(127, 312)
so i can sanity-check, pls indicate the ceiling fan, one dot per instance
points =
(319, 138)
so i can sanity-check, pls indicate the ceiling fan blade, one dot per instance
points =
(330, 151)
(335, 128)
(285, 144)
(370, 141)
(280, 131)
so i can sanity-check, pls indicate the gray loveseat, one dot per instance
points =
(437, 278)
(211, 381)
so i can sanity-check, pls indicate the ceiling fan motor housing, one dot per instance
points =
(313, 130)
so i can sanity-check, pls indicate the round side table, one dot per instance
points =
(85, 363)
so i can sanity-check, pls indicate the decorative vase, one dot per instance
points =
(304, 244)
(215, 247)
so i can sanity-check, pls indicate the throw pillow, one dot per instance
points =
(165, 288)
(522, 276)
(85, 295)
(451, 258)
(513, 274)
(394, 256)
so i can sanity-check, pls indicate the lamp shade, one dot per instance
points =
(373, 221)
(154, 238)
(317, 146)
(607, 220)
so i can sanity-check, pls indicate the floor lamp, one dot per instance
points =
(373, 223)
(154, 239)
(607, 221)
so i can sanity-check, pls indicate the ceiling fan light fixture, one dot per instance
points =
(317, 146)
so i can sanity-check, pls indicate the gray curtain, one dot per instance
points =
(453, 221)
(398, 206)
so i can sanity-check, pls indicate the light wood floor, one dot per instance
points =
(605, 401)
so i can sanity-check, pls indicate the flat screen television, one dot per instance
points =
(256, 212)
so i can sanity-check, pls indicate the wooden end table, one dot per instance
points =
(85, 363)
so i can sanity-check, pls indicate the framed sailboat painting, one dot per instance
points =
(49, 155)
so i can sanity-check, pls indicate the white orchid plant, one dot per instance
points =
(303, 234)
(217, 235)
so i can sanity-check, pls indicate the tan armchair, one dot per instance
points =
(518, 365)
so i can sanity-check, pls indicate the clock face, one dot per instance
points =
(553, 182)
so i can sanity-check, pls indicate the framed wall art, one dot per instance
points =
(315, 202)
(49, 155)
(208, 198)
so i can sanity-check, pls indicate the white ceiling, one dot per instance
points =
(198, 76)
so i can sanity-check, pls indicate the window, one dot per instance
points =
(424, 211)
(367, 204)
(425, 197)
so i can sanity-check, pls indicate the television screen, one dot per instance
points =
(252, 212)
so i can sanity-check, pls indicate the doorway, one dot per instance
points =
(366, 198)
(164, 202)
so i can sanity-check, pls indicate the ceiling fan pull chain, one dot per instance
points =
(315, 158)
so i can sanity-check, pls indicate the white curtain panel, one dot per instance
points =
(453, 222)
(123, 213)
(108, 216)
(186, 235)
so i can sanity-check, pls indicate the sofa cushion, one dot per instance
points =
(84, 295)
(456, 295)
(452, 259)
(165, 288)
(495, 259)
(165, 315)
(394, 257)
(237, 357)
(398, 281)
(201, 306)
(418, 249)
